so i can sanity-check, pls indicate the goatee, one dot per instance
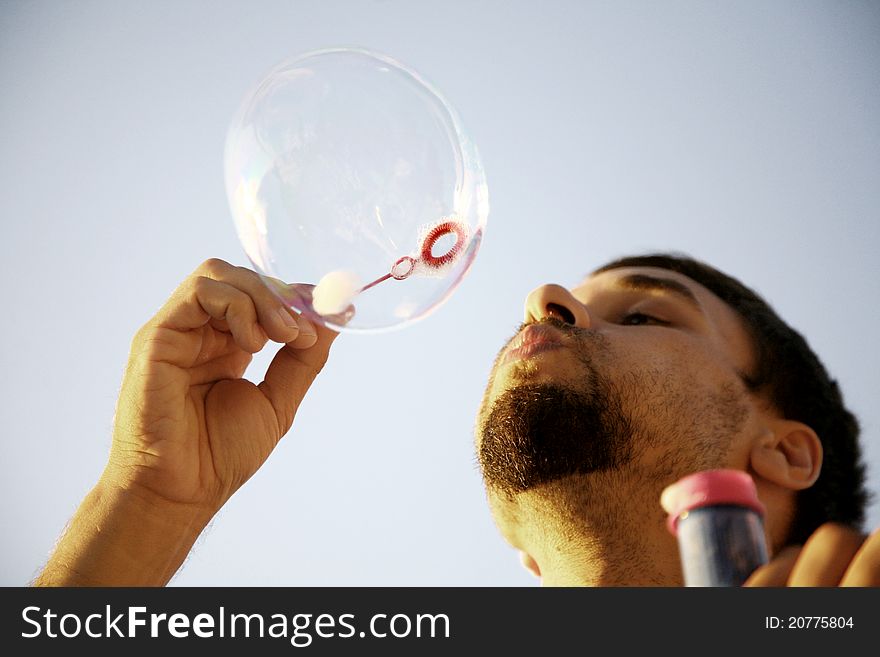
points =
(538, 433)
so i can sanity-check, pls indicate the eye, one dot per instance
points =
(639, 319)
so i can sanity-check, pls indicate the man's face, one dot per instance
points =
(637, 370)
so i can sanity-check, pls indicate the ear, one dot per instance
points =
(529, 563)
(789, 454)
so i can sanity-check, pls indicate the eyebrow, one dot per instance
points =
(655, 284)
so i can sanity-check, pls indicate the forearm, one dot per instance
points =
(119, 537)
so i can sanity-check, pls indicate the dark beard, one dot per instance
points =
(538, 433)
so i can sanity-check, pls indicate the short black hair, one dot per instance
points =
(789, 375)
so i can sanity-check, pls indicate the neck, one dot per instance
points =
(597, 530)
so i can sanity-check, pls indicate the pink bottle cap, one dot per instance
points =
(709, 488)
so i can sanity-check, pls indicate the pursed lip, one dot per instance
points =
(532, 340)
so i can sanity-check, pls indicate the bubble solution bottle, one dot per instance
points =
(718, 521)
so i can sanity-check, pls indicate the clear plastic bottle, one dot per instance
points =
(719, 523)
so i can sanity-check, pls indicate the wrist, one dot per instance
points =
(182, 518)
(124, 536)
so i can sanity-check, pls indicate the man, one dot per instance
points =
(653, 368)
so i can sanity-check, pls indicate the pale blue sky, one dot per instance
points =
(744, 133)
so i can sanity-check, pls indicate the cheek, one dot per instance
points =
(666, 378)
(686, 403)
(675, 357)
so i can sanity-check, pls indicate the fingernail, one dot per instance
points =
(306, 330)
(287, 318)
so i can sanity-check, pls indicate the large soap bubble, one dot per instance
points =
(351, 179)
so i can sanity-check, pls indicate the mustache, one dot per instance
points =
(563, 327)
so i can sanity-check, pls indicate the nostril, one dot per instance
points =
(560, 312)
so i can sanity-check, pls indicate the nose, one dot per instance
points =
(555, 301)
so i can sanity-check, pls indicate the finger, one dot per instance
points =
(268, 311)
(865, 567)
(291, 373)
(308, 334)
(826, 556)
(777, 571)
(296, 295)
(219, 324)
(275, 317)
(203, 299)
(228, 366)
(171, 335)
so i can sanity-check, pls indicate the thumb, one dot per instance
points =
(291, 373)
